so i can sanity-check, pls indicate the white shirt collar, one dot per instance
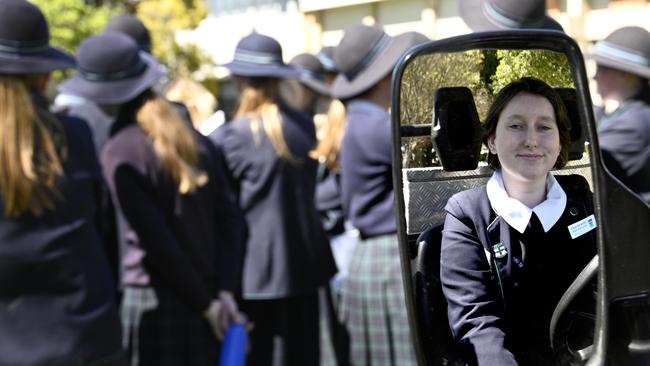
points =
(516, 214)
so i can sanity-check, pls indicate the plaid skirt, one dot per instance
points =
(373, 308)
(161, 330)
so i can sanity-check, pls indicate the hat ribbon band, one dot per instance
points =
(369, 58)
(136, 70)
(22, 47)
(327, 62)
(308, 74)
(608, 49)
(257, 58)
(494, 15)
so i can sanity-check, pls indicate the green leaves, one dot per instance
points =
(72, 21)
(552, 67)
(163, 18)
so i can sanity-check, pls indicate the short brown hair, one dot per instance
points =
(536, 87)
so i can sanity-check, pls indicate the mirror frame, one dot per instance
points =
(621, 275)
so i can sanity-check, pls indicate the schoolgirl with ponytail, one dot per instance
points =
(56, 293)
(287, 253)
(181, 266)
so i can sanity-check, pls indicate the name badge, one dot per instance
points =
(582, 227)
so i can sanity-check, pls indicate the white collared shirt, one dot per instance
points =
(516, 214)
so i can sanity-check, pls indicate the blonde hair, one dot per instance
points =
(329, 148)
(197, 98)
(174, 143)
(30, 163)
(257, 102)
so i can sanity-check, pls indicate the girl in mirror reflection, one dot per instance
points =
(512, 247)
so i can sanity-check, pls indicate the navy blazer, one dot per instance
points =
(190, 244)
(367, 170)
(535, 272)
(287, 251)
(624, 138)
(57, 303)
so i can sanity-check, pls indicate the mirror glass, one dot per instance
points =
(443, 100)
(428, 82)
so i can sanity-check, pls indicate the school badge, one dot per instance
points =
(499, 250)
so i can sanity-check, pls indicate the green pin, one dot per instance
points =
(573, 211)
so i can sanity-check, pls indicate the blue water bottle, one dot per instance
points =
(233, 350)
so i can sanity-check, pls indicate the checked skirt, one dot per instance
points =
(161, 330)
(373, 308)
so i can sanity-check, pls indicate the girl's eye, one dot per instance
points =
(545, 128)
(515, 126)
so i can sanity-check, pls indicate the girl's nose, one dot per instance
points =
(531, 138)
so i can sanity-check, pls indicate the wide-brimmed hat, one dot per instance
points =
(25, 41)
(257, 55)
(413, 38)
(132, 27)
(112, 70)
(626, 49)
(486, 15)
(365, 55)
(312, 72)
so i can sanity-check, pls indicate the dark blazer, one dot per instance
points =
(366, 170)
(536, 271)
(287, 251)
(624, 139)
(190, 244)
(57, 303)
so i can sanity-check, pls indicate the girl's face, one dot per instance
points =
(608, 81)
(527, 139)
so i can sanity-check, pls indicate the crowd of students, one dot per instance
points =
(279, 219)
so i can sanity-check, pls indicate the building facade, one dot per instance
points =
(308, 25)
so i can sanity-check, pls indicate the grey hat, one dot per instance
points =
(25, 41)
(312, 72)
(112, 75)
(365, 55)
(257, 55)
(486, 15)
(626, 49)
(413, 38)
(132, 27)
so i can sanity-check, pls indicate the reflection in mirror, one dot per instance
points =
(430, 90)
(444, 99)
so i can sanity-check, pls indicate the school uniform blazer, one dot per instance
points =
(287, 251)
(57, 303)
(534, 272)
(624, 138)
(190, 244)
(367, 170)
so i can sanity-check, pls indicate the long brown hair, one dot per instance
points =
(258, 102)
(329, 148)
(30, 162)
(174, 142)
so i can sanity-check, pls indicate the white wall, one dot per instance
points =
(219, 36)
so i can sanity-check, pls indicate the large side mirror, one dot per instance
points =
(442, 91)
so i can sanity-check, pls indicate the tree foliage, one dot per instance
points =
(163, 18)
(72, 21)
(551, 67)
